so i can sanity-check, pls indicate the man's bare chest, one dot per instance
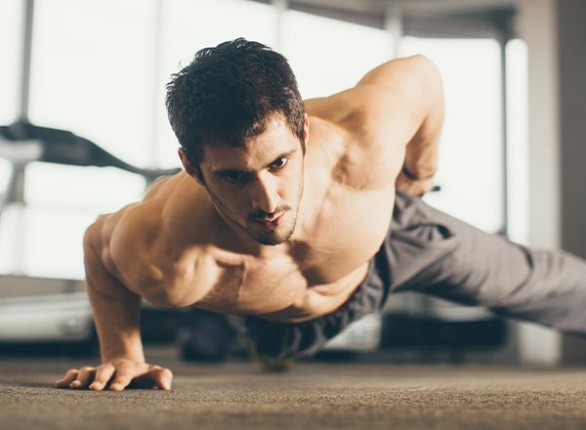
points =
(318, 271)
(285, 291)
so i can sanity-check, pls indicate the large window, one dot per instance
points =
(10, 31)
(518, 147)
(93, 76)
(329, 56)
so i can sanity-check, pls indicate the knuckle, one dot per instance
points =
(120, 365)
(103, 376)
(122, 378)
(105, 367)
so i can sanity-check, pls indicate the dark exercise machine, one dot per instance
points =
(22, 143)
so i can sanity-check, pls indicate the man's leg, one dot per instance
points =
(436, 254)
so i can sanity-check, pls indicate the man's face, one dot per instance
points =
(258, 188)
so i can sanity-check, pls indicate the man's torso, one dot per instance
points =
(173, 250)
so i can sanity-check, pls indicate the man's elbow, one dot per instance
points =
(92, 246)
(426, 69)
(89, 238)
(411, 73)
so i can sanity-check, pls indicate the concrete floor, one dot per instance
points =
(310, 396)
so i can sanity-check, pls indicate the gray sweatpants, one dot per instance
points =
(433, 253)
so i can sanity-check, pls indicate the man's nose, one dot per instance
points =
(265, 196)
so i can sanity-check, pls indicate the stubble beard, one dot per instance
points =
(259, 234)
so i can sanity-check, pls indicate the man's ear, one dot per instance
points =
(306, 124)
(305, 133)
(191, 170)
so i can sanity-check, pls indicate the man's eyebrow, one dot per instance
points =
(223, 172)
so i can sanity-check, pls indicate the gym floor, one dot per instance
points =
(311, 395)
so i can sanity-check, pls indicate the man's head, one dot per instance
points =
(227, 94)
(240, 120)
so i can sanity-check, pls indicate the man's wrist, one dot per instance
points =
(416, 177)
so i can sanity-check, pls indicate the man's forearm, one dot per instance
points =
(421, 158)
(409, 90)
(421, 155)
(115, 308)
(116, 315)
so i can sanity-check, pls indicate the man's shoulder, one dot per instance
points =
(146, 217)
(382, 111)
(118, 238)
(130, 236)
(359, 157)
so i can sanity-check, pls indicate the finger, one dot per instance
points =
(121, 380)
(163, 378)
(103, 375)
(84, 377)
(156, 377)
(69, 377)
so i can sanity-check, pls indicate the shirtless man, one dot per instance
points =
(301, 217)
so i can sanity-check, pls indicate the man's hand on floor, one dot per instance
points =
(116, 375)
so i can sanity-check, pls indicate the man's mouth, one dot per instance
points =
(270, 223)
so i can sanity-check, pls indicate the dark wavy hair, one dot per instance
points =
(227, 94)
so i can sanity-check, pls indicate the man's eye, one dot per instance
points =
(280, 163)
(234, 177)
